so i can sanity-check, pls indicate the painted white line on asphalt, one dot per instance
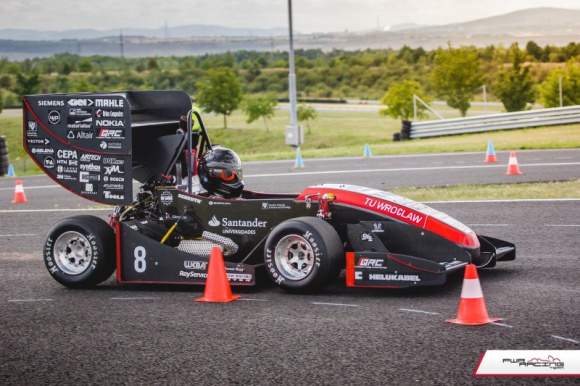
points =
(439, 168)
(36, 187)
(566, 339)
(53, 210)
(503, 201)
(418, 311)
(19, 235)
(141, 298)
(503, 325)
(416, 155)
(29, 300)
(253, 300)
(334, 304)
(490, 225)
(562, 225)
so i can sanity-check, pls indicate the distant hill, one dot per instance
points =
(553, 26)
(184, 31)
(534, 21)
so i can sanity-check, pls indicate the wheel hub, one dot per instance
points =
(72, 253)
(294, 257)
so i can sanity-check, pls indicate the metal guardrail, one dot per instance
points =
(504, 121)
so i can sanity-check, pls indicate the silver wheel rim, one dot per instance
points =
(72, 253)
(294, 257)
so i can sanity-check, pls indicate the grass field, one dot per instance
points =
(345, 134)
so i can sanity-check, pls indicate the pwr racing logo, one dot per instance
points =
(529, 363)
(111, 133)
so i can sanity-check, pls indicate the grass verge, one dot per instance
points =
(539, 190)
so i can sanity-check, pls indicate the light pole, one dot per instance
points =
(292, 75)
(294, 134)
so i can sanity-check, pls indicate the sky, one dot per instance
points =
(308, 15)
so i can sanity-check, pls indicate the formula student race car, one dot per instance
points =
(192, 198)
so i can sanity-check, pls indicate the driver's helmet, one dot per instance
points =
(220, 172)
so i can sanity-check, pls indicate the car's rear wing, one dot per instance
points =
(95, 144)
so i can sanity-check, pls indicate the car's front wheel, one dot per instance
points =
(79, 251)
(303, 255)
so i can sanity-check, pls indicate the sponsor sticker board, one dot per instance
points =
(82, 141)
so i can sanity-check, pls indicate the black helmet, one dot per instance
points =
(220, 172)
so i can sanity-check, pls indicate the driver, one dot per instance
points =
(220, 173)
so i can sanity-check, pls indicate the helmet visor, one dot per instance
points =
(230, 176)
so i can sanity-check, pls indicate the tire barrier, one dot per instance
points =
(4, 162)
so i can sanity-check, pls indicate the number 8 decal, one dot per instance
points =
(140, 263)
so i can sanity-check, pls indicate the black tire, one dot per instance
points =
(317, 259)
(79, 251)
(4, 164)
(396, 137)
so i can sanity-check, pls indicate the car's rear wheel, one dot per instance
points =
(79, 252)
(303, 255)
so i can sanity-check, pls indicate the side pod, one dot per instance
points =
(145, 260)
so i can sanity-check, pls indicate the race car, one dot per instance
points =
(192, 199)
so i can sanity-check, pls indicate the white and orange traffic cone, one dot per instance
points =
(513, 168)
(217, 286)
(490, 154)
(472, 309)
(19, 195)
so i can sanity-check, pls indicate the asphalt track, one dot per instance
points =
(158, 335)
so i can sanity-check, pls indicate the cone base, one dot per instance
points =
(223, 300)
(486, 321)
(491, 159)
(18, 200)
(511, 173)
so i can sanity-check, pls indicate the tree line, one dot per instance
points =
(516, 76)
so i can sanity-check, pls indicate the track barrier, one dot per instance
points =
(217, 286)
(19, 195)
(472, 309)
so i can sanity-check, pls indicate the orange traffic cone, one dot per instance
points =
(19, 195)
(217, 286)
(490, 154)
(513, 167)
(472, 310)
